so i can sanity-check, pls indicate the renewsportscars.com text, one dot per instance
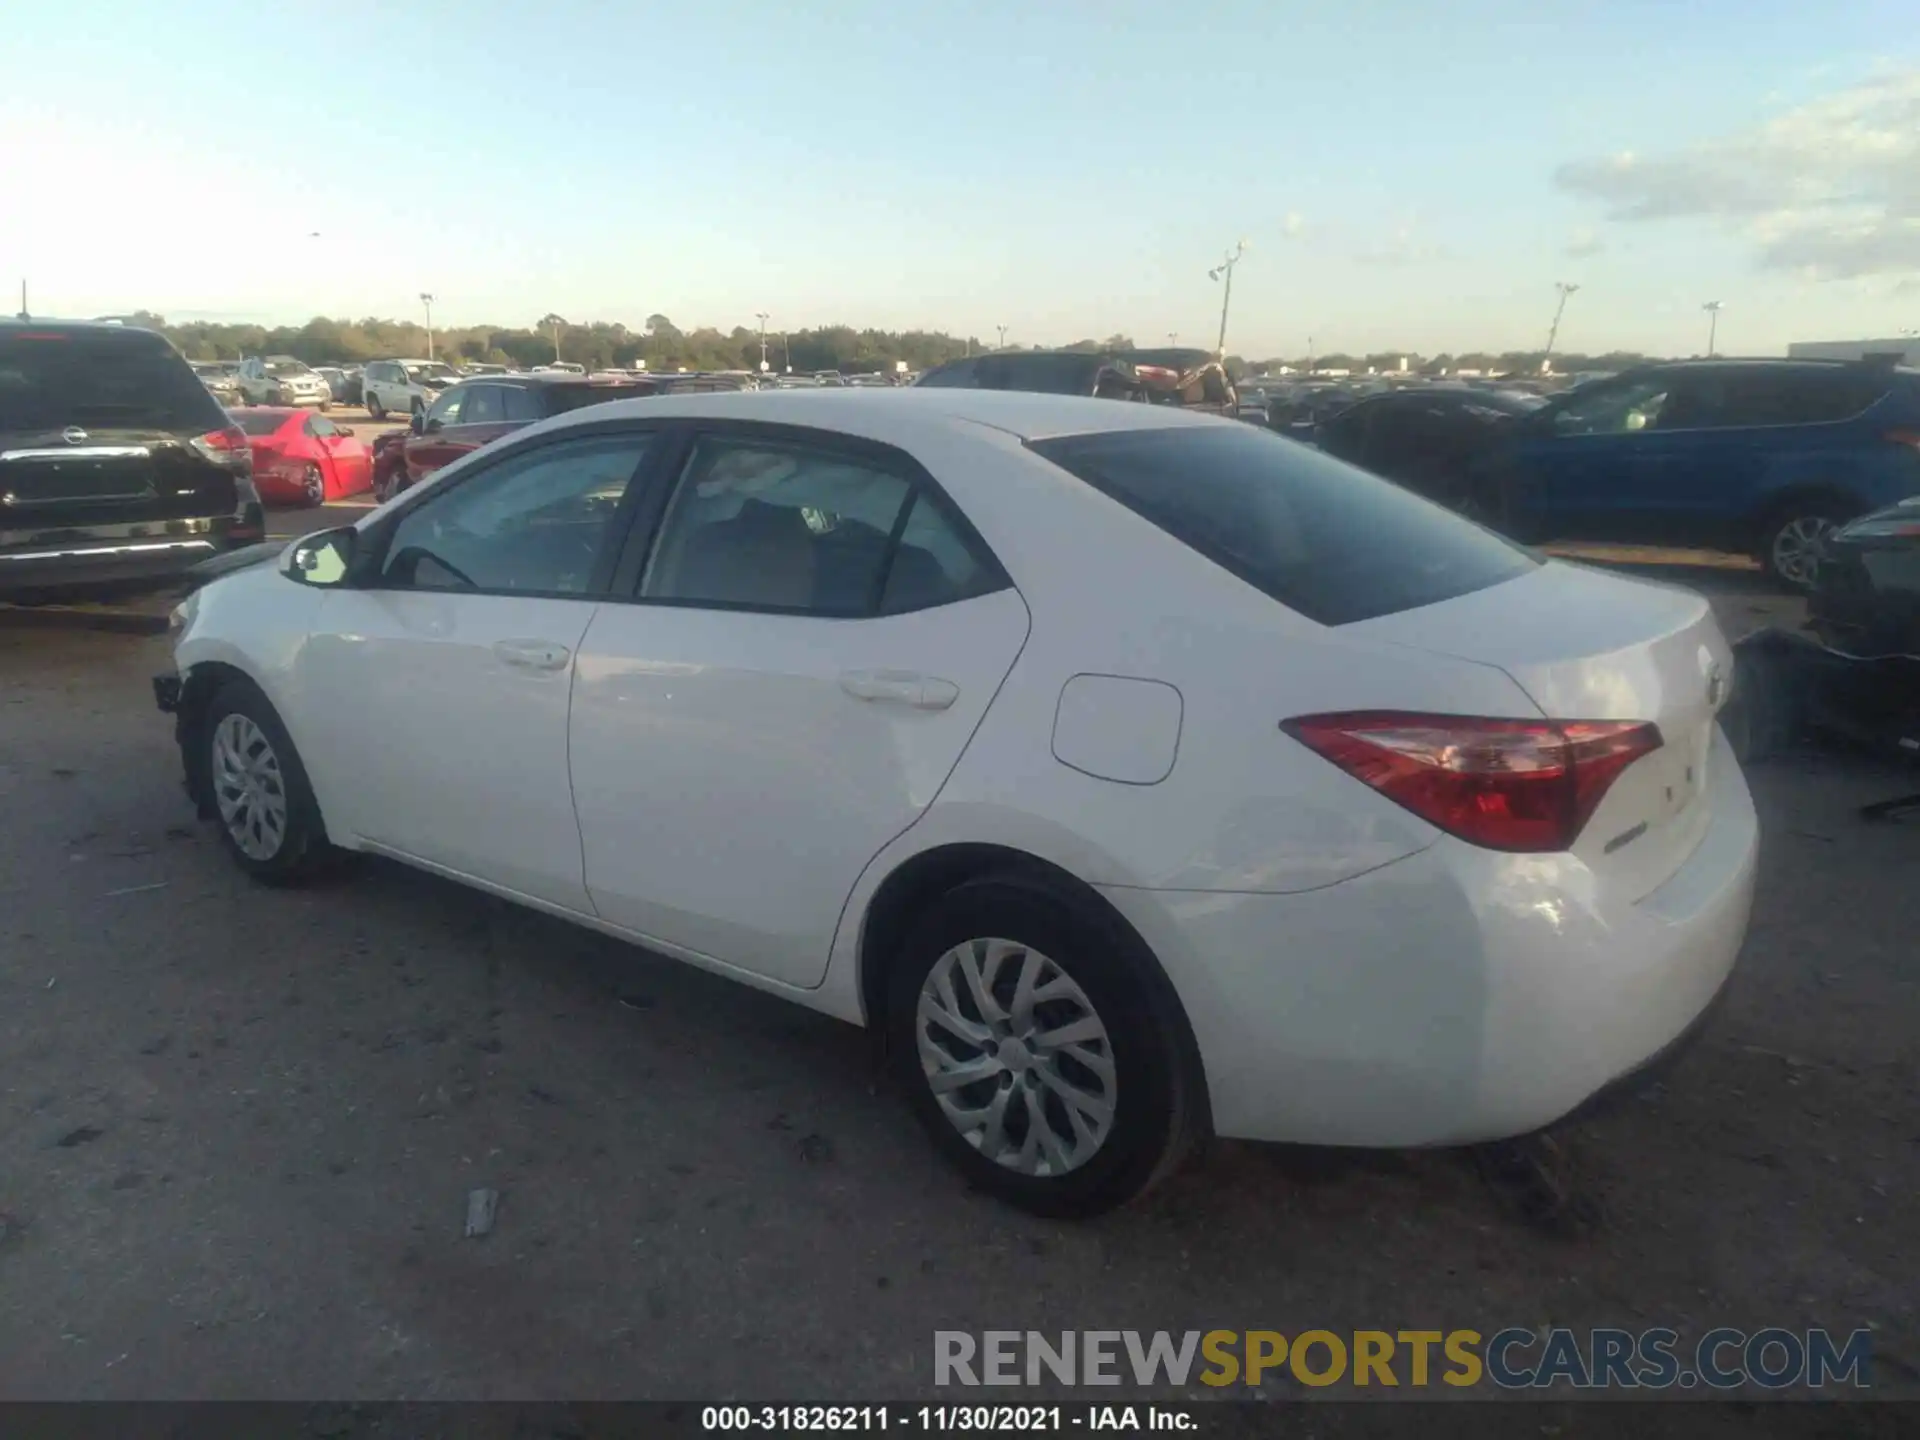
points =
(1511, 1359)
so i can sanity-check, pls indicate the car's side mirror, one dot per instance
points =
(323, 559)
(433, 427)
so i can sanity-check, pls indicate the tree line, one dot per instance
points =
(598, 345)
(662, 345)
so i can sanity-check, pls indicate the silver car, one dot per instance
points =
(283, 380)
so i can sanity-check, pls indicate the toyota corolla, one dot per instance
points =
(1134, 774)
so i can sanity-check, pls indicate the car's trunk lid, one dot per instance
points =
(1587, 645)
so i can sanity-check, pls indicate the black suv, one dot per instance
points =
(115, 461)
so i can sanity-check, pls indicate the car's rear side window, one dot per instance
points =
(1770, 395)
(101, 382)
(1329, 541)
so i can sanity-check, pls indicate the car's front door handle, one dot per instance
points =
(901, 687)
(532, 654)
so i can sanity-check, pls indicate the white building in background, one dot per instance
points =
(1904, 351)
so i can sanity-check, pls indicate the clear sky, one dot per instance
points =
(1407, 174)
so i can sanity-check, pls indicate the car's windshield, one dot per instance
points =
(432, 372)
(280, 368)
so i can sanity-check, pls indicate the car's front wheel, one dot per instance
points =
(266, 810)
(374, 407)
(1791, 544)
(1036, 1048)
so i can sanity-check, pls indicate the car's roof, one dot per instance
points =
(1772, 362)
(561, 377)
(90, 329)
(894, 414)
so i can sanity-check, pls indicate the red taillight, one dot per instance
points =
(226, 447)
(1908, 438)
(1518, 785)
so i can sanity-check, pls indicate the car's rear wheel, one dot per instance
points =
(313, 485)
(1791, 542)
(268, 818)
(1035, 1049)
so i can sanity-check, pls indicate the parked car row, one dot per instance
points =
(1760, 457)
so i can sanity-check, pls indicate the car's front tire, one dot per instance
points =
(1790, 541)
(1035, 1044)
(375, 409)
(259, 791)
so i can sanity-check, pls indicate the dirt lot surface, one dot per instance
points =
(238, 1128)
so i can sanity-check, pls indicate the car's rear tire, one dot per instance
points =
(325, 406)
(1081, 1096)
(1789, 541)
(259, 793)
(313, 486)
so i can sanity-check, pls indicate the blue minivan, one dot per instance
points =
(1754, 456)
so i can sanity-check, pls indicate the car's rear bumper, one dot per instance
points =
(1453, 996)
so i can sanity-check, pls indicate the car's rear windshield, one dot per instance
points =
(54, 380)
(259, 422)
(1328, 541)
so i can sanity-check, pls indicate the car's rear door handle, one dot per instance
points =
(532, 654)
(900, 687)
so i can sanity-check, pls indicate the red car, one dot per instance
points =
(300, 458)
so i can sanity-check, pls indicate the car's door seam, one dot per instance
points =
(960, 755)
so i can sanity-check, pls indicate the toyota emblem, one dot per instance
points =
(74, 435)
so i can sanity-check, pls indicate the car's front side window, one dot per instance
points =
(535, 523)
(447, 409)
(481, 406)
(1614, 409)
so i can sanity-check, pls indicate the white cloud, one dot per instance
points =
(1828, 189)
(1584, 244)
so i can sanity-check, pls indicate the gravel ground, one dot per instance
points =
(238, 1128)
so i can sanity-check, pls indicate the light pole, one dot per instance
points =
(1712, 307)
(427, 300)
(786, 353)
(1224, 272)
(1003, 335)
(761, 316)
(1173, 337)
(1553, 330)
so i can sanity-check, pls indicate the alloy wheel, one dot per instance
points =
(248, 787)
(1796, 548)
(1016, 1056)
(314, 486)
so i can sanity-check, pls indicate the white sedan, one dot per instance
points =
(1136, 774)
